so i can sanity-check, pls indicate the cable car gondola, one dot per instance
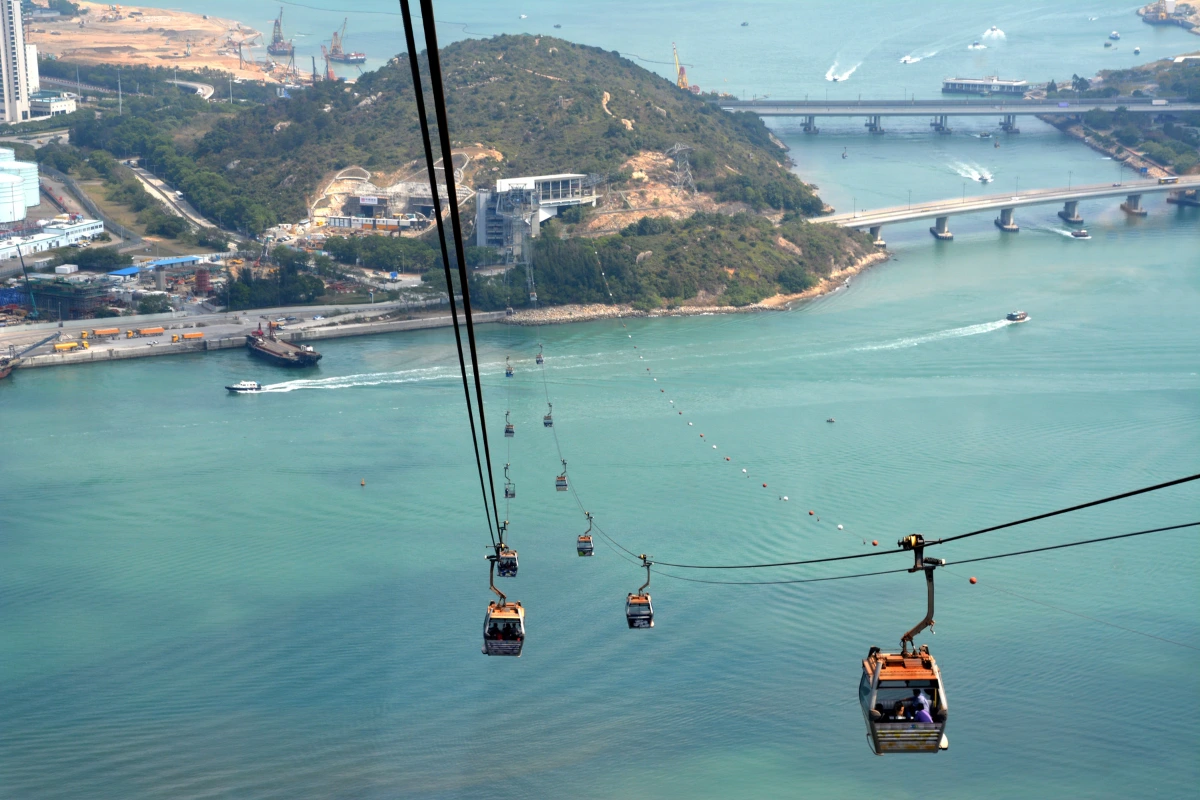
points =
(510, 488)
(583, 545)
(639, 611)
(901, 694)
(539, 358)
(548, 420)
(508, 370)
(506, 562)
(504, 622)
(560, 483)
(509, 429)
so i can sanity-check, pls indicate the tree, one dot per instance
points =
(153, 304)
(1051, 87)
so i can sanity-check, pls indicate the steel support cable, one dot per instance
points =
(439, 107)
(1101, 501)
(419, 91)
(948, 563)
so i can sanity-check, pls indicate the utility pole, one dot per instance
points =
(120, 101)
(230, 90)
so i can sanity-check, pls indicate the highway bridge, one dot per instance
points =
(1185, 192)
(939, 111)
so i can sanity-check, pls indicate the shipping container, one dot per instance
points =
(193, 336)
(106, 331)
(150, 331)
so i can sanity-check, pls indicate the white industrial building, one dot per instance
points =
(14, 73)
(517, 207)
(63, 231)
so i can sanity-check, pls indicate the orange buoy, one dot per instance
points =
(364, 482)
(726, 458)
(973, 579)
(874, 543)
(810, 513)
(764, 486)
(702, 436)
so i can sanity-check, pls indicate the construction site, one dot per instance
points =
(130, 35)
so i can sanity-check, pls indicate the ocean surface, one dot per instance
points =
(198, 598)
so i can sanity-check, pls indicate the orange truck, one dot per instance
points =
(150, 331)
(196, 335)
(98, 332)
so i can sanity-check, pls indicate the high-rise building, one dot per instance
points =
(13, 74)
(33, 79)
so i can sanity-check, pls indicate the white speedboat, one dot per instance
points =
(245, 387)
(1081, 234)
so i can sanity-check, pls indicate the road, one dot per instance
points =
(214, 325)
(954, 206)
(160, 191)
(203, 89)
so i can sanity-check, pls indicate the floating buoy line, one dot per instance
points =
(896, 721)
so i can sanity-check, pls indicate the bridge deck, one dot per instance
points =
(990, 107)
(949, 208)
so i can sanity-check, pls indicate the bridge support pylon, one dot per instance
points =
(810, 124)
(1133, 206)
(1187, 197)
(940, 125)
(1005, 221)
(874, 124)
(1008, 124)
(877, 235)
(1070, 213)
(941, 229)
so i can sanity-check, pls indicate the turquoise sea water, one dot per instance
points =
(199, 599)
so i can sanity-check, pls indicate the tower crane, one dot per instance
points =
(680, 73)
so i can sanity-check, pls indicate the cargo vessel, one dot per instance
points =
(277, 351)
(7, 365)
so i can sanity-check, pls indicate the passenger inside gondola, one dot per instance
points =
(907, 704)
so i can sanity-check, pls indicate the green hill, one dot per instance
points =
(547, 106)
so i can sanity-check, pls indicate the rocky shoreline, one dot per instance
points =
(557, 315)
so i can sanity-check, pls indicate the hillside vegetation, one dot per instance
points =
(546, 105)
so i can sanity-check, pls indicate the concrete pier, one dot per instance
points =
(810, 124)
(1070, 213)
(941, 229)
(877, 235)
(874, 124)
(1188, 197)
(940, 125)
(1008, 124)
(1005, 221)
(1133, 206)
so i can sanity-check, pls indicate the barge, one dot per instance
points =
(277, 351)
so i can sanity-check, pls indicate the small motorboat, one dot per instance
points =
(1108, 44)
(745, 24)
(984, 179)
(831, 419)
(1137, 51)
(985, 135)
(245, 387)
(557, 25)
(1081, 234)
(1114, 36)
(1016, 316)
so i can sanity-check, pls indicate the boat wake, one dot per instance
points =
(976, 46)
(913, 59)
(994, 33)
(833, 75)
(366, 379)
(952, 333)
(973, 171)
